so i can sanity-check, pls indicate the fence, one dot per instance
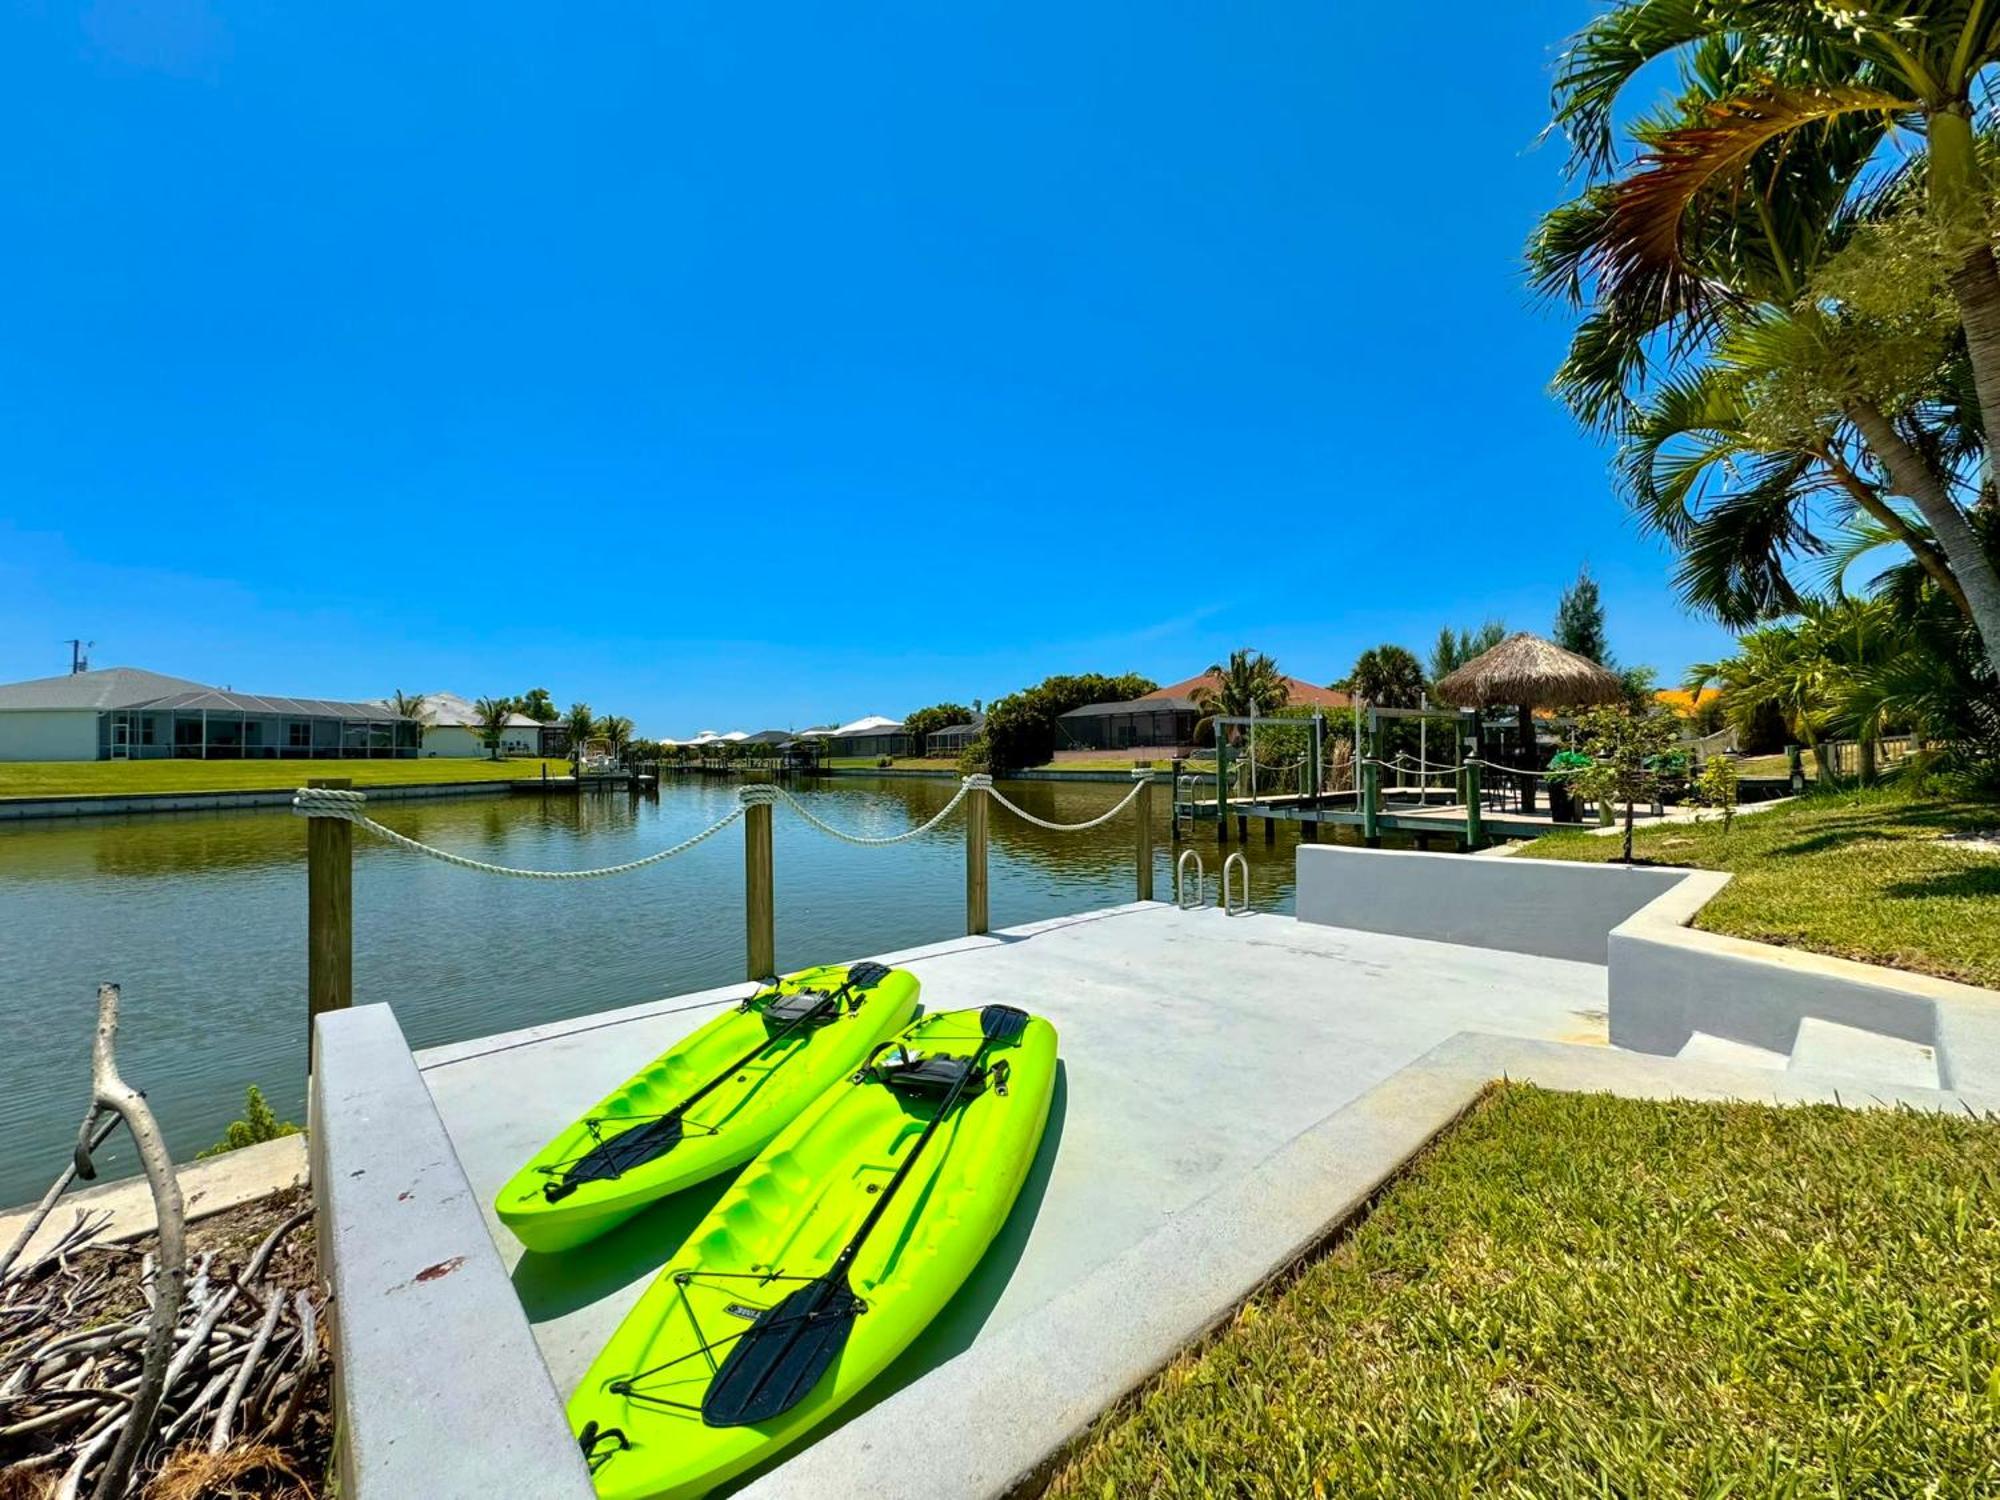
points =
(333, 810)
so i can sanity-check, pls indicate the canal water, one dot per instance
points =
(201, 917)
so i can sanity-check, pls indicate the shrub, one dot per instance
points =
(260, 1123)
(1717, 788)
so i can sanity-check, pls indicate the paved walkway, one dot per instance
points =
(1194, 1045)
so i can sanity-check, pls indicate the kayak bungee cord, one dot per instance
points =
(607, 1160)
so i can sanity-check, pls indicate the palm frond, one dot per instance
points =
(1642, 253)
(1734, 555)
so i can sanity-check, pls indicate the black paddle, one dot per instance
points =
(779, 1359)
(612, 1159)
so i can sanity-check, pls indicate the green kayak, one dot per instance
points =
(708, 1103)
(831, 1252)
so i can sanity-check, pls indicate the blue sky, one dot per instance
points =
(734, 365)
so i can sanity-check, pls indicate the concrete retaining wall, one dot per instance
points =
(439, 1390)
(1668, 981)
(1542, 907)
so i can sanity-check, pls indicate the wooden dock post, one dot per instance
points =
(760, 942)
(1473, 833)
(1173, 804)
(975, 862)
(1142, 838)
(1371, 803)
(329, 912)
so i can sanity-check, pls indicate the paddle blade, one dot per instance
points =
(615, 1157)
(1001, 1024)
(781, 1357)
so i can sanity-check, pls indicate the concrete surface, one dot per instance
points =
(1830, 1048)
(438, 1389)
(208, 1186)
(1542, 907)
(1000, 1415)
(1194, 1045)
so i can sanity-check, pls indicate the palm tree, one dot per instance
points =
(493, 714)
(1387, 676)
(1718, 251)
(581, 724)
(1250, 684)
(409, 706)
(616, 733)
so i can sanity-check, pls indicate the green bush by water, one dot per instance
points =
(260, 1123)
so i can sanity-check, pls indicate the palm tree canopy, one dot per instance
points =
(1524, 668)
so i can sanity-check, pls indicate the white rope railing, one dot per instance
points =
(1139, 782)
(350, 806)
(971, 783)
(338, 802)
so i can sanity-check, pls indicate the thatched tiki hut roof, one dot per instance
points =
(1526, 669)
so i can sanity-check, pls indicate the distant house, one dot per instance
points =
(451, 729)
(126, 713)
(768, 737)
(953, 738)
(873, 735)
(1164, 719)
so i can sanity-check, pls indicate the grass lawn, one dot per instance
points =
(83, 778)
(1864, 875)
(1574, 1295)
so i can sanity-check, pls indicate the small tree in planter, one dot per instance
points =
(1625, 744)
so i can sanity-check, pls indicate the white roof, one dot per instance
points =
(735, 735)
(449, 710)
(873, 724)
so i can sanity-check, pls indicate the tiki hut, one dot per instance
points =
(1532, 673)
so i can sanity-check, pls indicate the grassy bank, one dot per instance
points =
(1863, 875)
(97, 778)
(1576, 1295)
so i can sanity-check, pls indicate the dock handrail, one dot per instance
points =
(1238, 862)
(1200, 880)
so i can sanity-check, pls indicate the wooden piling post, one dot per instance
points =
(1142, 838)
(760, 941)
(1474, 834)
(1173, 804)
(329, 912)
(975, 862)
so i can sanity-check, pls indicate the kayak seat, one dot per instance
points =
(789, 1010)
(930, 1077)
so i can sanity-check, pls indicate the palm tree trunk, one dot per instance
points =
(1957, 206)
(1925, 551)
(1911, 475)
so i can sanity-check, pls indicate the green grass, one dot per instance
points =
(1863, 875)
(86, 778)
(1574, 1295)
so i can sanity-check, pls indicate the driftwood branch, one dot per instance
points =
(111, 1093)
(95, 1129)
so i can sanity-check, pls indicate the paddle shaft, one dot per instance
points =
(845, 1259)
(755, 1052)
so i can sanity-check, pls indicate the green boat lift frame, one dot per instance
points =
(1370, 806)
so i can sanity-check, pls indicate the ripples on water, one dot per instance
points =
(201, 918)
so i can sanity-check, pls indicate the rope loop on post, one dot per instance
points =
(970, 784)
(1026, 816)
(757, 794)
(328, 802)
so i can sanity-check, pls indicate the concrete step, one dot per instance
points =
(1829, 1049)
(1706, 1048)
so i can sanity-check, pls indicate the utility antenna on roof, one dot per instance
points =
(79, 655)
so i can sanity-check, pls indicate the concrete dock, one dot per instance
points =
(1232, 1088)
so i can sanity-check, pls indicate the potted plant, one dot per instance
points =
(1564, 806)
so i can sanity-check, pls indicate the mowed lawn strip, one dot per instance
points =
(1580, 1295)
(103, 778)
(1869, 875)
